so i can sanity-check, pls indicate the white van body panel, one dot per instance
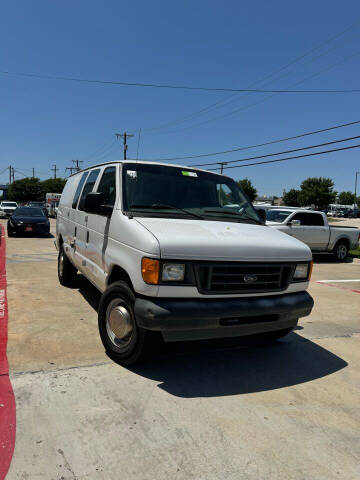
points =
(96, 244)
(229, 241)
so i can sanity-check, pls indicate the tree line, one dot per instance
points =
(32, 188)
(318, 191)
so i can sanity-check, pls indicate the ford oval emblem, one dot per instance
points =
(250, 278)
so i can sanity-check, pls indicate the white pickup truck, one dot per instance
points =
(312, 228)
(7, 208)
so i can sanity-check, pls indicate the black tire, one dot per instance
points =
(132, 343)
(67, 273)
(341, 251)
(10, 233)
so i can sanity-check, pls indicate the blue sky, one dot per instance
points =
(199, 43)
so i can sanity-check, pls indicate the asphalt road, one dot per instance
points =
(205, 410)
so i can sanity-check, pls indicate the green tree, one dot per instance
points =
(346, 198)
(25, 190)
(358, 201)
(318, 191)
(291, 198)
(247, 187)
(52, 185)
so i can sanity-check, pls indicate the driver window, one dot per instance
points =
(225, 195)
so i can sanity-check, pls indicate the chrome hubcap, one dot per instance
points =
(61, 264)
(119, 324)
(341, 251)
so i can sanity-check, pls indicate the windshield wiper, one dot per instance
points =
(161, 206)
(239, 215)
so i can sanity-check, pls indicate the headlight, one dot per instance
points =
(303, 271)
(173, 272)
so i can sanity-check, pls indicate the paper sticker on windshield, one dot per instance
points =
(189, 174)
(132, 173)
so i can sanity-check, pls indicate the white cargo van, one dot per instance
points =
(179, 251)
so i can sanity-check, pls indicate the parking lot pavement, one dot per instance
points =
(195, 411)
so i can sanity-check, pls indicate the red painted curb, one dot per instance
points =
(7, 400)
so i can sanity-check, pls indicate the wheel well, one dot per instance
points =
(119, 273)
(343, 240)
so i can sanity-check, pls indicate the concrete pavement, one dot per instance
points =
(195, 411)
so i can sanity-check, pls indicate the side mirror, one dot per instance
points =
(262, 214)
(94, 203)
(295, 223)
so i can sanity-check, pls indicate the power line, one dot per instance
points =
(290, 158)
(220, 103)
(237, 149)
(245, 107)
(176, 87)
(278, 153)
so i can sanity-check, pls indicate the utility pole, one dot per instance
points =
(356, 175)
(125, 136)
(54, 169)
(71, 169)
(33, 175)
(11, 174)
(76, 163)
(222, 166)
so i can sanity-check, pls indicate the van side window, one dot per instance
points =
(306, 219)
(89, 185)
(78, 190)
(107, 186)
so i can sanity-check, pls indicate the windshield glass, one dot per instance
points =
(277, 215)
(157, 190)
(29, 212)
(9, 204)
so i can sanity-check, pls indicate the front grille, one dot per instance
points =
(236, 277)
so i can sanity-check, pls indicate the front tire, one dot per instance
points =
(341, 251)
(124, 341)
(67, 273)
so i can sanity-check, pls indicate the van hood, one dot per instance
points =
(229, 241)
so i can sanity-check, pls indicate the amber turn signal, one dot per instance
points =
(150, 269)
(310, 270)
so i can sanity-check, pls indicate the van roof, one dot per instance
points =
(188, 167)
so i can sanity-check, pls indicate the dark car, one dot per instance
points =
(38, 205)
(28, 220)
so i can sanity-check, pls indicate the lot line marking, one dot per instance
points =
(337, 281)
(7, 400)
(337, 286)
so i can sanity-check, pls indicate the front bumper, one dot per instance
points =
(184, 319)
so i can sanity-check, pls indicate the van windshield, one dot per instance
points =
(164, 191)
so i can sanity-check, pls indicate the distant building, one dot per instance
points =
(269, 200)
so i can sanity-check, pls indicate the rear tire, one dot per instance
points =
(341, 251)
(67, 273)
(124, 341)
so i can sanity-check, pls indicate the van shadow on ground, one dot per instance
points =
(231, 366)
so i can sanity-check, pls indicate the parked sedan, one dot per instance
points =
(28, 220)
